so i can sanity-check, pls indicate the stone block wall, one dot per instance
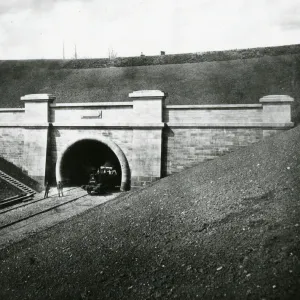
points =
(206, 114)
(114, 112)
(195, 133)
(12, 135)
(185, 147)
(35, 152)
(146, 156)
(12, 145)
(152, 139)
(9, 115)
(276, 108)
(62, 136)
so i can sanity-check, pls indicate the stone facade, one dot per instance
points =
(12, 145)
(149, 138)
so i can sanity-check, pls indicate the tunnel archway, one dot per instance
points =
(82, 156)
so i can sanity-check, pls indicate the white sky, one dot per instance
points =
(37, 28)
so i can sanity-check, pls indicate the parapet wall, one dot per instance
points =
(201, 114)
(156, 139)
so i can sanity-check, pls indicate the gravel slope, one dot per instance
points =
(225, 229)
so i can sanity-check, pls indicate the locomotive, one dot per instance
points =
(102, 180)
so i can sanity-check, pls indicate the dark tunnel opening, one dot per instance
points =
(85, 157)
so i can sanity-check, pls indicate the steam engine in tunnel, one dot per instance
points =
(88, 157)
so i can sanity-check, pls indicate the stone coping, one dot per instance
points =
(232, 125)
(38, 97)
(276, 99)
(83, 124)
(19, 124)
(147, 94)
(109, 125)
(5, 110)
(151, 125)
(94, 104)
(215, 106)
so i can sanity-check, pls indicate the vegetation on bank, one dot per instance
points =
(144, 60)
(235, 76)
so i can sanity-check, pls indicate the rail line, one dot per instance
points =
(41, 212)
(28, 203)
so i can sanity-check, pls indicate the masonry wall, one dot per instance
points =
(97, 112)
(196, 133)
(146, 156)
(185, 147)
(12, 115)
(35, 151)
(205, 114)
(12, 136)
(12, 145)
(156, 139)
(62, 136)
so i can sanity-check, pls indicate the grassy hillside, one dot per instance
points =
(241, 76)
(225, 229)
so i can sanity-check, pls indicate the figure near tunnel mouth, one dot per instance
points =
(60, 189)
(47, 189)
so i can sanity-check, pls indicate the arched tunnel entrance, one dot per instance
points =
(83, 157)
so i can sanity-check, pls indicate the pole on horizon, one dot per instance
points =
(63, 49)
(75, 52)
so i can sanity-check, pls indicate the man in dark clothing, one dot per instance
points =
(60, 189)
(47, 189)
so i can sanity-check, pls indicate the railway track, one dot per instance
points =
(39, 199)
(41, 212)
(38, 215)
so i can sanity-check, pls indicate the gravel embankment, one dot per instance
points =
(225, 229)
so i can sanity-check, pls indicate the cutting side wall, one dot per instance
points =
(11, 136)
(12, 145)
(196, 133)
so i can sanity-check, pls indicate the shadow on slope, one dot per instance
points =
(225, 229)
(15, 172)
(7, 190)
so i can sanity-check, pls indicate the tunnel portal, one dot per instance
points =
(85, 157)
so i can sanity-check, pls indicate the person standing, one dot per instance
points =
(47, 189)
(60, 189)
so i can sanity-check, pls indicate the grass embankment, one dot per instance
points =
(225, 229)
(241, 76)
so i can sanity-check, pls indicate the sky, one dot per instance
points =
(40, 29)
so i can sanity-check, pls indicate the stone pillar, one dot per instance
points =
(37, 107)
(277, 109)
(148, 106)
(147, 136)
(36, 125)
